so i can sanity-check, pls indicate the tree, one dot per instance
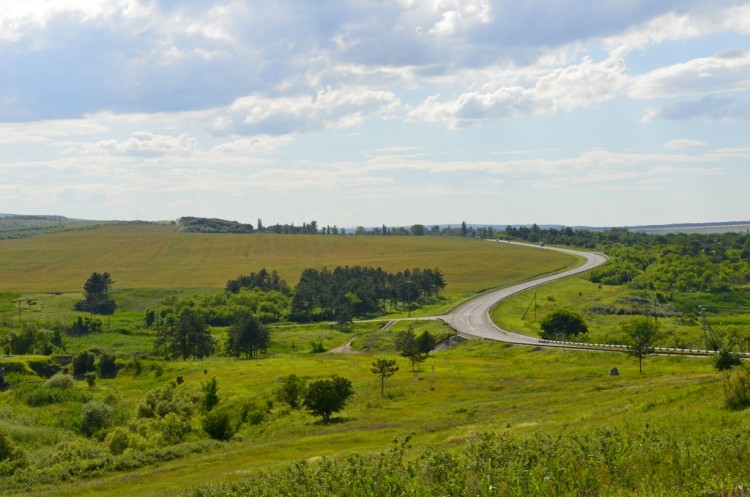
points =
(292, 391)
(187, 337)
(408, 345)
(384, 368)
(563, 323)
(642, 334)
(325, 397)
(247, 336)
(96, 295)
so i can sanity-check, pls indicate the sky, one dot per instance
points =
(364, 112)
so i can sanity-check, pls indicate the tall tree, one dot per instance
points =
(187, 337)
(408, 345)
(642, 334)
(247, 336)
(562, 323)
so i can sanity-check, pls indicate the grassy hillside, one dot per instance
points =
(157, 256)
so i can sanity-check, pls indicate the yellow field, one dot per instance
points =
(157, 256)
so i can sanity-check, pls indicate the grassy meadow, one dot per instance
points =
(610, 432)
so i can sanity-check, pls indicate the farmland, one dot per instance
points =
(470, 395)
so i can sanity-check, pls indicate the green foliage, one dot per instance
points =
(606, 461)
(212, 225)
(292, 390)
(107, 366)
(96, 295)
(96, 416)
(642, 333)
(210, 395)
(316, 347)
(737, 389)
(247, 336)
(325, 397)
(36, 395)
(83, 362)
(384, 368)
(90, 378)
(262, 280)
(562, 323)
(12, 457)
(84, 326)
(61, 381)
(221, 423)
(725, 359)
(32, 340)
(187, 338)
(413, 348)
(161, 401)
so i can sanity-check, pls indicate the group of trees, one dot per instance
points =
(350, 292)
(96, 295)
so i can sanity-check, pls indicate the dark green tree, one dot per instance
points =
(247, 336)
(187, 337)
(642, 333)
(84, 362)
(96, 295)
(325, 397)
(562, 323)
(384, 368)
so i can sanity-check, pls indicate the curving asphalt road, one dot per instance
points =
(472, 318)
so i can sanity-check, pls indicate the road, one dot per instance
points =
(472, 318)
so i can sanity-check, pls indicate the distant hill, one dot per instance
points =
(24, 226)
(213, 225)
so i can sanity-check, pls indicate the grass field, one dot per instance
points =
(156, 256)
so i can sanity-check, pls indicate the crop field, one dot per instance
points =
(156, 256)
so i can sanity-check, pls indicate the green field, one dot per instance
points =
(669, 422)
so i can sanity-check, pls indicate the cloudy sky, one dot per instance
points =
(364, 112)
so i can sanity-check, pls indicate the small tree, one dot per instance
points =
(210, 395)
(292, 391)
(563, 323)
(187, 337)
(642, 334)
(107, 366)
(95, 416)
(409, 346)
(83, 362)
(726, 359)
(325, 397)
(384, 368)
(96, 295)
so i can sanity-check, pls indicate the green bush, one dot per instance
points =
(221, 423)
(96, 416)
(725, 359)
(107, 366)
(91, 378)
(83, 363)
(737, 389)
(36, 395)
(12, 457)
(60, 381)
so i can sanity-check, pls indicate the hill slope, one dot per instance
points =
(157, 256)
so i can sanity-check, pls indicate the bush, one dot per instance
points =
(83, 363)
(12, 458)
(292, 390)
(91, 378)
(725, 359)
(60, 381)
(107, 366)
(95, 417)
(210, 395)
(737, 389)
(325, 397)
(221, 424)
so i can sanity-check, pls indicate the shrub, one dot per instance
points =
(95, 417)
(118, 440)
(60, 381)
(210, 395)
(292, 390)
(725, 359)
(325, 397)
(221, 424)
(174, 429)
(12, 458)
(107, 366)
(91, 378)
(737, 389)
(83, 363)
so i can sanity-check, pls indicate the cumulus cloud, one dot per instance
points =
(581, 85)
(678, 144)
(262, 144)
(328, 108)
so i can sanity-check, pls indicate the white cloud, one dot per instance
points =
(710, 107)
(144, 144)
(679, 144)
(695, 77)
(262, 144)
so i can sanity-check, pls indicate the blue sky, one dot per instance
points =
(357, 112)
